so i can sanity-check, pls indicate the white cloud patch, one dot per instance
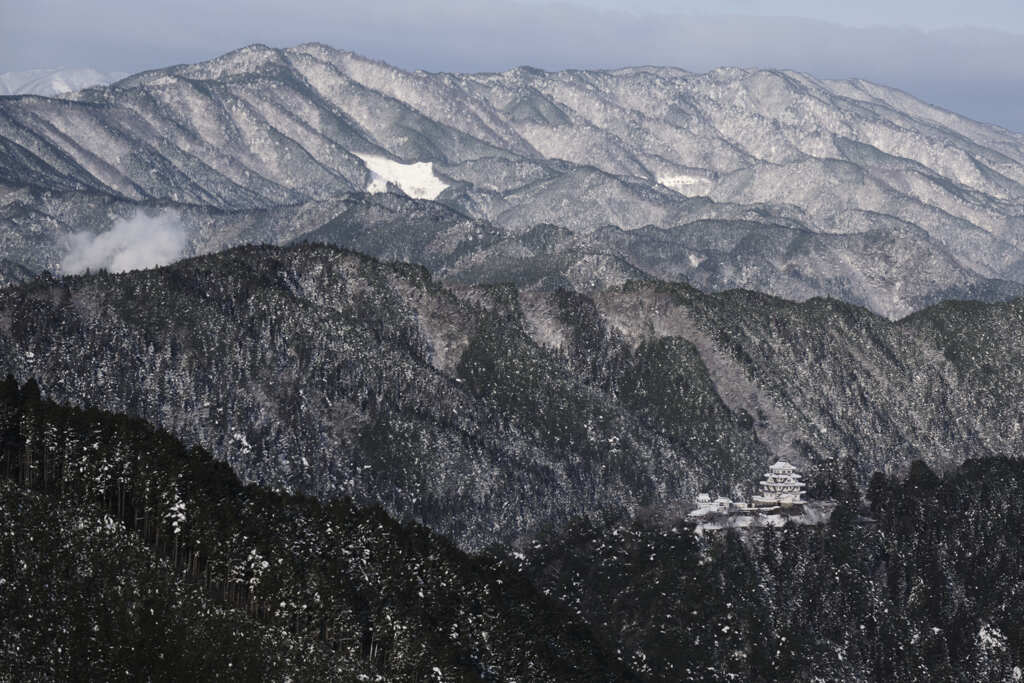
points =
(131, 244)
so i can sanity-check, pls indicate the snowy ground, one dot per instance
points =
(688, 186)
(816, 512)
(416, 180)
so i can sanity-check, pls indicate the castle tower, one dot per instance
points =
(780, 487)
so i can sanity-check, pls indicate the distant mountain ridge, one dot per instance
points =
(845, 188)
(51, 82)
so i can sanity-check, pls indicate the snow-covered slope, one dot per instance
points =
(260, 129)
(51, 82)
(416, 180)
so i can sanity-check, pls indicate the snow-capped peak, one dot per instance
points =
(51, 82)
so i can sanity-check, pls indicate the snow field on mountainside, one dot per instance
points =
(416, 180)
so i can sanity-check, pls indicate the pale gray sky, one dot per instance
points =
(964, 56)
(1004, 15)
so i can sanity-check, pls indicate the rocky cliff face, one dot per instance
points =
(768, 180)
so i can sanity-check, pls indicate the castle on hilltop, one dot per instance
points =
(781, 487)
(781, 492)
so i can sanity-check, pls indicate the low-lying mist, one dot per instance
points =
(131, 244)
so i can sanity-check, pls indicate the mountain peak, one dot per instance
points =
(262, 129)
(54, 82)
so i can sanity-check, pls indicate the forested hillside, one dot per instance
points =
(125, 555)
(920, 581)
(325, 372)
(489, 412)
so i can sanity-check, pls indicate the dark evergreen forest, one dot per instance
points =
(486, 413)
(921, 580)
(126, 555)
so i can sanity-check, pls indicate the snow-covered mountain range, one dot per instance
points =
(289, 460)
(767, 180)
(52, 82)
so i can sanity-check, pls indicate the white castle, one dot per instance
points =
(781, 488)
